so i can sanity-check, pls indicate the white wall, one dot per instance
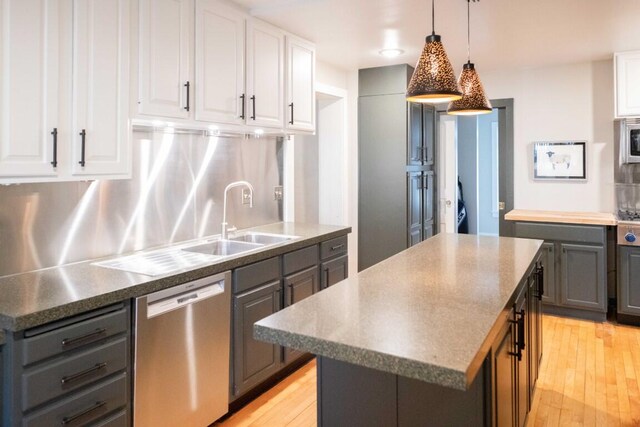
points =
(567, 102)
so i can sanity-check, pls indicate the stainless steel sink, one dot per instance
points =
(223, 247)
(263, 238)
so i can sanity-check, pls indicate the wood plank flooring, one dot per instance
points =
(589, 377)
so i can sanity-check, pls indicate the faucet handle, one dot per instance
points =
(232, 229)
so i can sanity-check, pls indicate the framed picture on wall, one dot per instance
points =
(560, 160)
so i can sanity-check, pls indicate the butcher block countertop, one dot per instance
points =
(589, 218)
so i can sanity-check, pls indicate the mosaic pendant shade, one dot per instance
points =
(433, 80)
(474, 101)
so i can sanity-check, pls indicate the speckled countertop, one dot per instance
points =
(587, 218)
(34, 298)
(430, 312)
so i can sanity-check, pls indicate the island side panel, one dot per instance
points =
(432, 405)
(351, 395)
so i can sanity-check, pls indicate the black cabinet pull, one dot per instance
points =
(520, 344)
(425, 182)
(188, 86)
(540, 280)
(75, 377)
(290, 293)
(68, 420)
(242, 97)
(291, 106)
(83, 136)
(54, 163)
(253, 107)
(91, 336)
(335, 248)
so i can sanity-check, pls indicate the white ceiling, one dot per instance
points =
(505, 33)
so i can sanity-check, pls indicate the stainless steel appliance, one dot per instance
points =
(181, 350)
(628, 139)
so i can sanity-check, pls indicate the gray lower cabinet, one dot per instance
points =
(420, 206)
(296, 288)
(628, 282)
(504, 378)
(583, 276)
(75, 371)
(574, 258)
(265, 287)
(253, 361)
(548, 261)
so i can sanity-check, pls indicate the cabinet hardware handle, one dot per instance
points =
(253, 107)
(68, 420)
(188, 86)
(520, 344)
(335, 248)
(423, 156)
(83, 136)
(84, 338)
(290, 293)
(540, 279)
(291, 106)
(187, 298)
(82, 374)
(425, 182)
(54, 163)
(242, 97)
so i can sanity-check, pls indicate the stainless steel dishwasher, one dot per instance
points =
(181, 375)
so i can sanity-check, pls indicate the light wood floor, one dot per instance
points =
(589, 377)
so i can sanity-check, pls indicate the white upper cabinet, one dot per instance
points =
(300, 84)
(220, 91)
(29, 87)
(265, 75)
(100, 129)
(165, 58)
(627, 72)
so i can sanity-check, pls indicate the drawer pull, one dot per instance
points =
(72, 418)
(335, 248)
(80, 375)
(91, 336)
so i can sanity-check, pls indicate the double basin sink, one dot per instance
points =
(171, 260)
(239, 244)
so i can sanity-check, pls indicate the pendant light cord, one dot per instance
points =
(468, 31)
(433, 18)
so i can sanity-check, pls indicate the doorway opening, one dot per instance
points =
(476, 166)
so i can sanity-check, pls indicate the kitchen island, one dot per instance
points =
(447, 332)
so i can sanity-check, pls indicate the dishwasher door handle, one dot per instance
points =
(157, 308)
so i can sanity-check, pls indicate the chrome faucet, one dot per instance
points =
(225, 229)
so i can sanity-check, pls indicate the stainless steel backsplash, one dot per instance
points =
(175, 194)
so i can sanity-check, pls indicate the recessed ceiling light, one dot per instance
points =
(391, 53)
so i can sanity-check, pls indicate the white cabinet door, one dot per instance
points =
(301, 97)
(265, 77)
(100, 88)
(164, 62)
(627, 72)
(29, 86)
(219, 58)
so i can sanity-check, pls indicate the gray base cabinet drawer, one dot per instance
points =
(299, 260)
(561, 232)
(121, 419)
(70, 337)
(245, 278)
(55, 379)
(83, 408)
(334, 247)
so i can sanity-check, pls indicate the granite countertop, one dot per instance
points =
(430, 312)
(587, 218)
(38, 297)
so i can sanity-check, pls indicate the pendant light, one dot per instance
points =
(433, 80)
(474, 101)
